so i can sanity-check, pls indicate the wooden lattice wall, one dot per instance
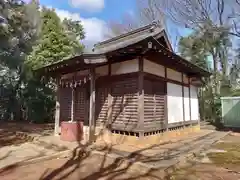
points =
(154, 104)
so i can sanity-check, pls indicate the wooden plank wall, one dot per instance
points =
(125, 103)
(81, 104)
(102, 89)
(65, 103)
(154, 104)
(81, 101)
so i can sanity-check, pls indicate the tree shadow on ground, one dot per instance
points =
(41, 129)
(14, 133)
(117, 168)
(8, 138)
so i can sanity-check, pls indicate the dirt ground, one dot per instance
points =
(9, 131)
(90, 168)
(15, 148)
(224, 164)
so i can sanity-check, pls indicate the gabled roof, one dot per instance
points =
(130, 38)
(103, 50)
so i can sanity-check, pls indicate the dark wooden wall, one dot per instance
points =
(101, 110)
(81, 112)
(65, 103)
(154, 104)
(124, 92)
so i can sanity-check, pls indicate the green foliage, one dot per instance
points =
(17, 36)
(192, 48)
(56, 42)
(75, 32)
(31, 38)
(210, 42)
(236, 92)
(74, 29)
(41, 101)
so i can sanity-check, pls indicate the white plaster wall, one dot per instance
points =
(153, 68)
(79, 73)
(186, 104)
(194, 103)
(102, 70)
(174, 75)
(84, 72)
(174, 103)
(67, 76)
(185, 79)
(125, 67)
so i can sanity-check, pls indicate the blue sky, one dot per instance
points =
(95, 14)
(103, 9)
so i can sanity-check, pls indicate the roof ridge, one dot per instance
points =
(154, 25)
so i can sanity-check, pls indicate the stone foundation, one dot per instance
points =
(111, 138)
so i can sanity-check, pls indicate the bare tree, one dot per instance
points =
(147, 12)
(236, 18)
(129, 22)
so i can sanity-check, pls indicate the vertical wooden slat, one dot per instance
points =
(140, 95)
(165, 99)
(155, 104)
(73, 104)
(110, 98)
(109, 68)
(183, 100)
(189, 93)
(92, 105)
(57, 111)
(80, 103)
(125, 103)
(109, 115)
(85, 99)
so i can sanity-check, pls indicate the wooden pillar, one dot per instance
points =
(73, 103)
(165, 100)
(110, 99)
(57, 111)
(92, 105)
(184, 118)
(189, 93)
(141, 96)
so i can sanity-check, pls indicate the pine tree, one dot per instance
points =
(54, 42)
(193, 50)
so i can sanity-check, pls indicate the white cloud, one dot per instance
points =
(93, 27)
(88, 5)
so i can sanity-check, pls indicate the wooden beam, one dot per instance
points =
(140, 96)
(57, 111)
(109, 67)
(165, 99)
(165, 79)
(96, 60)
(184, 119)
(92, 105)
